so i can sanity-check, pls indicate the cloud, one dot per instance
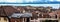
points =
(31, 0)
(1, 0)
(7, 0)
(51, 0)
(26, 1)
(10, 1)
(19, 1)
(58, 0)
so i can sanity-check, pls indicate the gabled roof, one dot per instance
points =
(8, 10)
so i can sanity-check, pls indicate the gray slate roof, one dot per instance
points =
(18, 15)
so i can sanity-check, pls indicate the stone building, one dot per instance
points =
(4, 19)
(27, 13)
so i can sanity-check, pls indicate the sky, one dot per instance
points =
(56, 6)
(22, 1)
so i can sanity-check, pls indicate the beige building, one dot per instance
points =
(4, 19)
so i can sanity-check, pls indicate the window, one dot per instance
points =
(5, 19)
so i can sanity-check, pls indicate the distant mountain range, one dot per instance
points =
(30, 3)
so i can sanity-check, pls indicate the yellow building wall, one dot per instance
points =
(2, 19)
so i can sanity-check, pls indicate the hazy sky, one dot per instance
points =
(45, 5)
(21, 1)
